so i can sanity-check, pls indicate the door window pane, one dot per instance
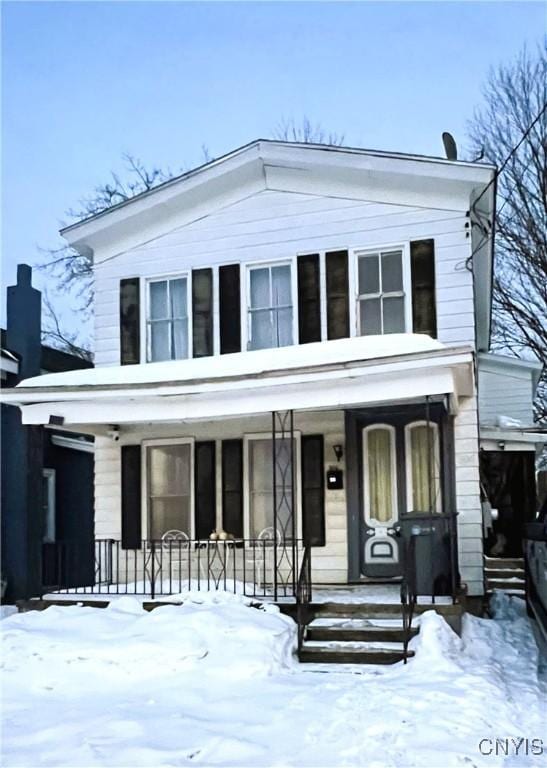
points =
(169, 489)
(168, 320)
(379, 458)
(270, 307)
(423, 462)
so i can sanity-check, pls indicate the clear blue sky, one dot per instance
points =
(85, 82)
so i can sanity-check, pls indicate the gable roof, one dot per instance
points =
(262, 153)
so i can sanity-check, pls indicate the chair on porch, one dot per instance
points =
(264, 558)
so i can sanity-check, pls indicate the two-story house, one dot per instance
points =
(286, 350)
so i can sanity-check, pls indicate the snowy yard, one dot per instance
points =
(214, 683)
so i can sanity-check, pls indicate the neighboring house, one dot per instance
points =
(286, 349)
(47, 476)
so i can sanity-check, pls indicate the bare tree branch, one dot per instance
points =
(306, 132)
(57, 336)
(513, 97)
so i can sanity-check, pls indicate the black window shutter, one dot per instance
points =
(232, 487)
(313, 490)
(422, 268)
(336, 264)
(202, 312)
(205, 488)
(131, 496)
(229, 308)
(309, 303)
(130, 327)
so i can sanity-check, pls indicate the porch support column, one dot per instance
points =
(284, 521)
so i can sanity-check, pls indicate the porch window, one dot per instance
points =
(168, 319)
(380, 473)
(423, 467)
(169, 489)
(48, 505)
(270, 307)
(381, 295)
(260, 489)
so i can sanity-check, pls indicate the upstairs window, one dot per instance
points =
(381, 295)
(270, 308)
(167, 321)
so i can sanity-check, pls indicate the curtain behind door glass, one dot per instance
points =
(380, 474)
(424, 459)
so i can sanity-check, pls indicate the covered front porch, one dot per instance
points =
(267, 474)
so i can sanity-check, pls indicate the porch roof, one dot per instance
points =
(334, 374)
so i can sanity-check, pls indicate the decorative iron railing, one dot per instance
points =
(303, 595)
(261, 568)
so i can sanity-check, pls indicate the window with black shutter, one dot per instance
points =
(130, 337)
(422, 268)
(229, 309)
(336, 264)
(232, 487)
(313, 490)
(309, 302)
(202, 312)
(205, 488)
(131, 496)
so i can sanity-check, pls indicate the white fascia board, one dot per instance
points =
(352, 391)
(512, 436)
(73, 443)
(8, 365)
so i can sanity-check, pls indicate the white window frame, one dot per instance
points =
(371, 522)
(246, 300)
(408, 463)
(146, 444)
(247, 439)
(355, 305)
(146, 336)
(51, 523)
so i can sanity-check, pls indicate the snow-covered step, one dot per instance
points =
(503, 562)
(506, 583)
(358, 634)
(359, 654)
(503, 573)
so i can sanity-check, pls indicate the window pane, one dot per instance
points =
(168, 514)
(370, 316)
(169, 470)
(282, 328)
(178, 297)
(380, 478)
(369, 281)
(180, 339)
(392, 272)
(394, 315)
(158, 300)
(281, 286)
(261, 330)
(260, 488)
(425, 463)
(260, 288)
(159, 341)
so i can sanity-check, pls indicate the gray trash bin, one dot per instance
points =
(431, 552)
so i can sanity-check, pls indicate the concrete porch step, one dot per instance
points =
(506, 583)
(503, 573)
(503, 562)
(378, 610)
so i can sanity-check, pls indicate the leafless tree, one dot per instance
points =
(54, 334)
(306, 132)
(515, 98)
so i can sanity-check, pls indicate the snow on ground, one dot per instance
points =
(213, 683)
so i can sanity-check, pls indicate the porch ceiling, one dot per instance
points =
(345, 374)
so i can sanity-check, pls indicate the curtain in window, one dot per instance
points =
(169, 489)
(380, 474)
(270, 307)
(424, 460)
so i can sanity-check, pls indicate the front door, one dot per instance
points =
(380, 550)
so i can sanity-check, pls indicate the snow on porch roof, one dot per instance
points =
(256, 363)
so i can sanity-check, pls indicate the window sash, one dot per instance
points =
(276, 316)
(381, 297)
(175, 322)
(49, 513)
(169, 488)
